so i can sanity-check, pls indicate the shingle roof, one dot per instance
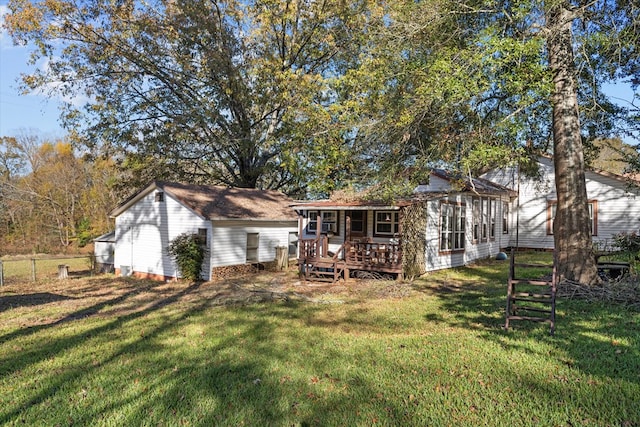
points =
(479, 185)
(219, 202)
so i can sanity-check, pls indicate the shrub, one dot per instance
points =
(189, 254)
(629, 242)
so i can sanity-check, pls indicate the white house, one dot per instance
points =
(614, 205)
(460, 221)
(240, 227)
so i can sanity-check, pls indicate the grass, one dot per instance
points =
(20, 269)
(106, 351)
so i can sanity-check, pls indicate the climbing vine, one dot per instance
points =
(414, 242)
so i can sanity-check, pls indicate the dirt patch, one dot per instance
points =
(55, 301)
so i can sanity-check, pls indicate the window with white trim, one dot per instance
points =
(452, 227)
(202, 236)
(505, 218)
(329, 221)
(493, 205)
(593, 216)
(386, 223)
(485, 220)
(477, 220)
(253, 243)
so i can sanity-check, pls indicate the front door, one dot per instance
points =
(358, 224)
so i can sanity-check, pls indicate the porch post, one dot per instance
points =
(301, 255)
(347, 239)
(347, 225)
(318, 224)
(400, 277)
(320, 242)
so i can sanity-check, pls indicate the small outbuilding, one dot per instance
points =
(240, 227)
(103, 250)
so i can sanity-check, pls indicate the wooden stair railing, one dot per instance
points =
(322, 267)
(532, 300)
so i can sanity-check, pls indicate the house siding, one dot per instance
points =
(437, 260)
(230, 240)
(618, 206)
(144, 231)
(434, 258)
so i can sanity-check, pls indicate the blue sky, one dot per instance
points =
(22, 112)
(35, 112)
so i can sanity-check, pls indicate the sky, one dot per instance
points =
(19, 113)
(35, 113)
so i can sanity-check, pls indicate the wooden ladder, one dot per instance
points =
(533, 300)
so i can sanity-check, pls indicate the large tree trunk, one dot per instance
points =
(572, 234)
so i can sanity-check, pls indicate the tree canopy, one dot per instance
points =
(230, 92)
(308, 96)
(51, 198)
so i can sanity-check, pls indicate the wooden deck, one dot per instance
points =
(316, 262)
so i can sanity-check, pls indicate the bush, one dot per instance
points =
(189, 254)
(628, 242)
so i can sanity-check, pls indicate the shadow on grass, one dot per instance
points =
(219, 385)
(599, 339)
(196, 366)
(29, 300)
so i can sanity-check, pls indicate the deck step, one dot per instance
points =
(531, 282)
(538, 300)
(529, 308)
(530, 318)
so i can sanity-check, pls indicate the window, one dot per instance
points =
(253, 242)
(159, 196)
(452, 227)
(202, 236)
(329, 221)
(477, 219)
(505, 218)
(293, 243)
(492, 218)
(485, 220)
(593, 216)
(386, 223)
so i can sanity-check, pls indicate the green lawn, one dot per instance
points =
(46, 268)
(106, 351)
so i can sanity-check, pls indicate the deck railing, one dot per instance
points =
(384, 255)
(314, 248)
(359, 255)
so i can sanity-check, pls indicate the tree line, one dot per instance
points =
(51, 199)
(311, 96)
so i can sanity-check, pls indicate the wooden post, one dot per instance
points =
(1, 273)
(301, 247)
(347, 231)
(318, 224)
(33, 269)
(347, 239)
(282, 258)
